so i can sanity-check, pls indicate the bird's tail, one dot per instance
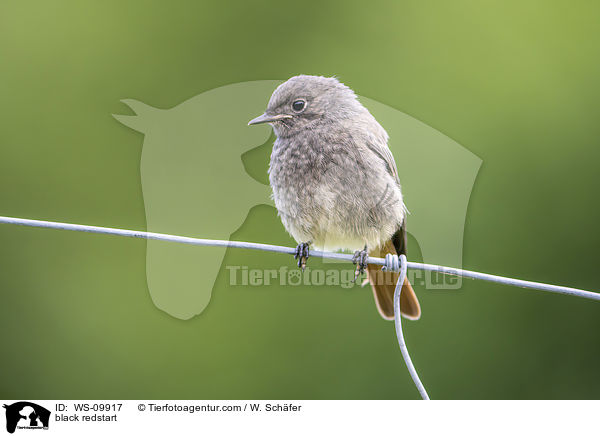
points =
(384, 285)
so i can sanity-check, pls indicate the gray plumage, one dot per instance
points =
(335, 182)
(331, 169)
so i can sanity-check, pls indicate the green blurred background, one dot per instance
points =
(515, 82)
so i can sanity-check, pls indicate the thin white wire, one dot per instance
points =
(397, 321)
(505, 280)
(288, 250)
(390, 262)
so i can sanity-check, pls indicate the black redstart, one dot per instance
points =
(335, 182)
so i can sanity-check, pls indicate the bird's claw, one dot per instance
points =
(302, 254)
(360, 260)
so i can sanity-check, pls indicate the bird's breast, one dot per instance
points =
(331, 190)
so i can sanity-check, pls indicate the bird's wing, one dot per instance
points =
(385, 154)
(399, 239)
(381, 150)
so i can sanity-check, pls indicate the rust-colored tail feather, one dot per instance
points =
(384, 285)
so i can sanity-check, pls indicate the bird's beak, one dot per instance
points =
(264, 118)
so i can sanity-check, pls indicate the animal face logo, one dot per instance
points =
(24, 414)
(194, 184)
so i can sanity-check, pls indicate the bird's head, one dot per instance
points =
(309, 102)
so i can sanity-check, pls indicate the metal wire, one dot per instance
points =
(288, 250)
(391, 263)
(397, 321)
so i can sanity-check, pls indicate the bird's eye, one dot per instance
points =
(298, 105)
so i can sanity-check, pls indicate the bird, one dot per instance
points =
(335, 182)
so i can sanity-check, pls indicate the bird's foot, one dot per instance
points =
(302, 254)
(360, 260)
